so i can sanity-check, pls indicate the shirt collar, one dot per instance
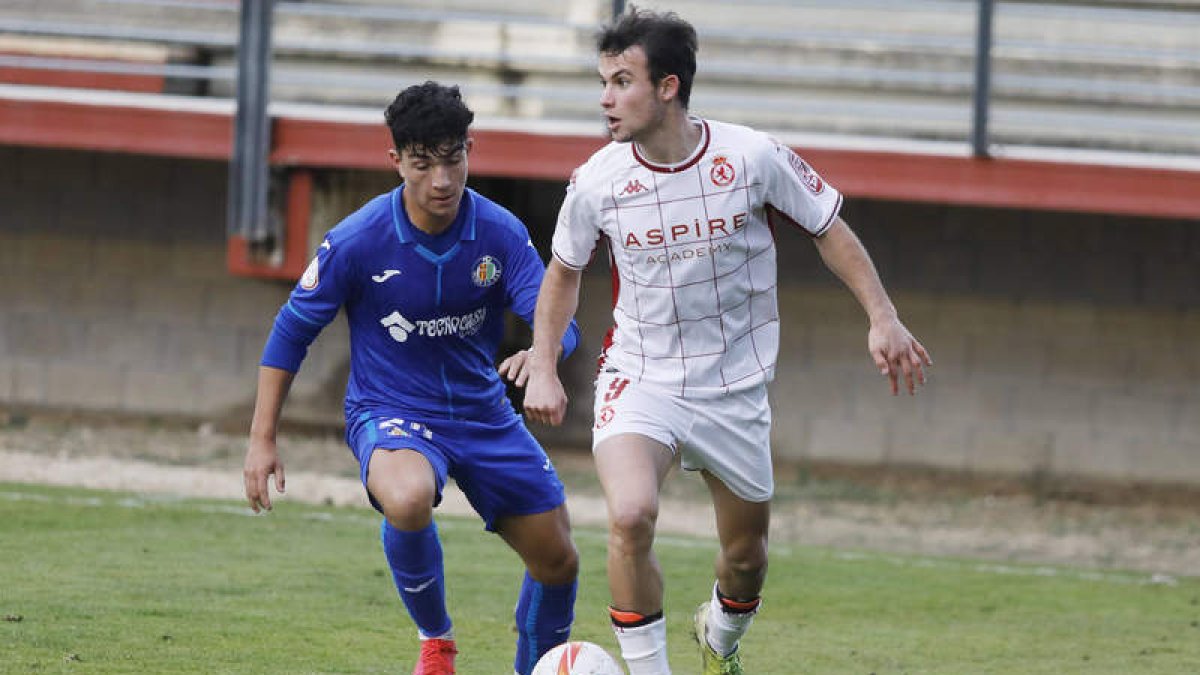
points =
(404, 226)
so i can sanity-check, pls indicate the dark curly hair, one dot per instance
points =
(669, 42)
(429, 118)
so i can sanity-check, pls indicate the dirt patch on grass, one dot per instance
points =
(1090, 524)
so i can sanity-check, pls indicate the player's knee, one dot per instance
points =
(747, 560)
(631, 526)
(558, 565)
(406, 509)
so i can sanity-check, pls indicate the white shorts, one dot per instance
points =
(729, 436)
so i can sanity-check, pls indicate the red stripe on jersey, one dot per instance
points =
(682, 167)
(616, 293)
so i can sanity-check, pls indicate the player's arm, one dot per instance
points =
(312, 304)
(545, 398)
(891, 345)
(522, 290)
(262, 455)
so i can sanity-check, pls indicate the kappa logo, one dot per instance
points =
(632, 188)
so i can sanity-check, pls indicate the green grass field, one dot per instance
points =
(100, 582)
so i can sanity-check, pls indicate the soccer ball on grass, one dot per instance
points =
(577, 658)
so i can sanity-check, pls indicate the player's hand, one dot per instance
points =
(262, 460)
(896, 352)
(516, 367)
(545, 398)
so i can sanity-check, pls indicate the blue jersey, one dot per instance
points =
(426, 314)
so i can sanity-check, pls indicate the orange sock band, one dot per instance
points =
(738, 606)
(627, 619)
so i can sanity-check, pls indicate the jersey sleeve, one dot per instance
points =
(796, 190)
(314, 302)
(522, 288)
(578, 227)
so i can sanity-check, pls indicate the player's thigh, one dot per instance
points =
(543, 541)
(742, 526)
(632, 468)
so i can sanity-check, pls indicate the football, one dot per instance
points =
(577, 658)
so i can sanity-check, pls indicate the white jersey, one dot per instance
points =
(693, 254)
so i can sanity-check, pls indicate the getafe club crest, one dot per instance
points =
(486, 271)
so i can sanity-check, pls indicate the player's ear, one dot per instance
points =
(397, 161)
(668, 88)
(467, 144)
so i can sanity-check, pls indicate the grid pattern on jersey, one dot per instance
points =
(696, 270)
(693, 254)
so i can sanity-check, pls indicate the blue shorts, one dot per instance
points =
(499, 466)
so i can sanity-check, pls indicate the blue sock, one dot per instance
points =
(544, 616)
(416, 562)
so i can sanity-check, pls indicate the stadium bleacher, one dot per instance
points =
(1100, 76)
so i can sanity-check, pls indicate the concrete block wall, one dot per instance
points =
(1064, 344)
(115, 294)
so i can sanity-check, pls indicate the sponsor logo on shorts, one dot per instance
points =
(605, 416)
(398, 428)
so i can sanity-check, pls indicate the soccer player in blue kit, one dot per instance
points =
(425, 273)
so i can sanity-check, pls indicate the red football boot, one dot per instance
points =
(437, 657)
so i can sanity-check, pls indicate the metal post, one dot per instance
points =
(248, 170)
(618, 8)
(983, 86)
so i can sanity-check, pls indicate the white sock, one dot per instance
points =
(448, 635)
(644, 648)
(724, 629)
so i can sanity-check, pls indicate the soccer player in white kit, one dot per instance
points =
(689, 209)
